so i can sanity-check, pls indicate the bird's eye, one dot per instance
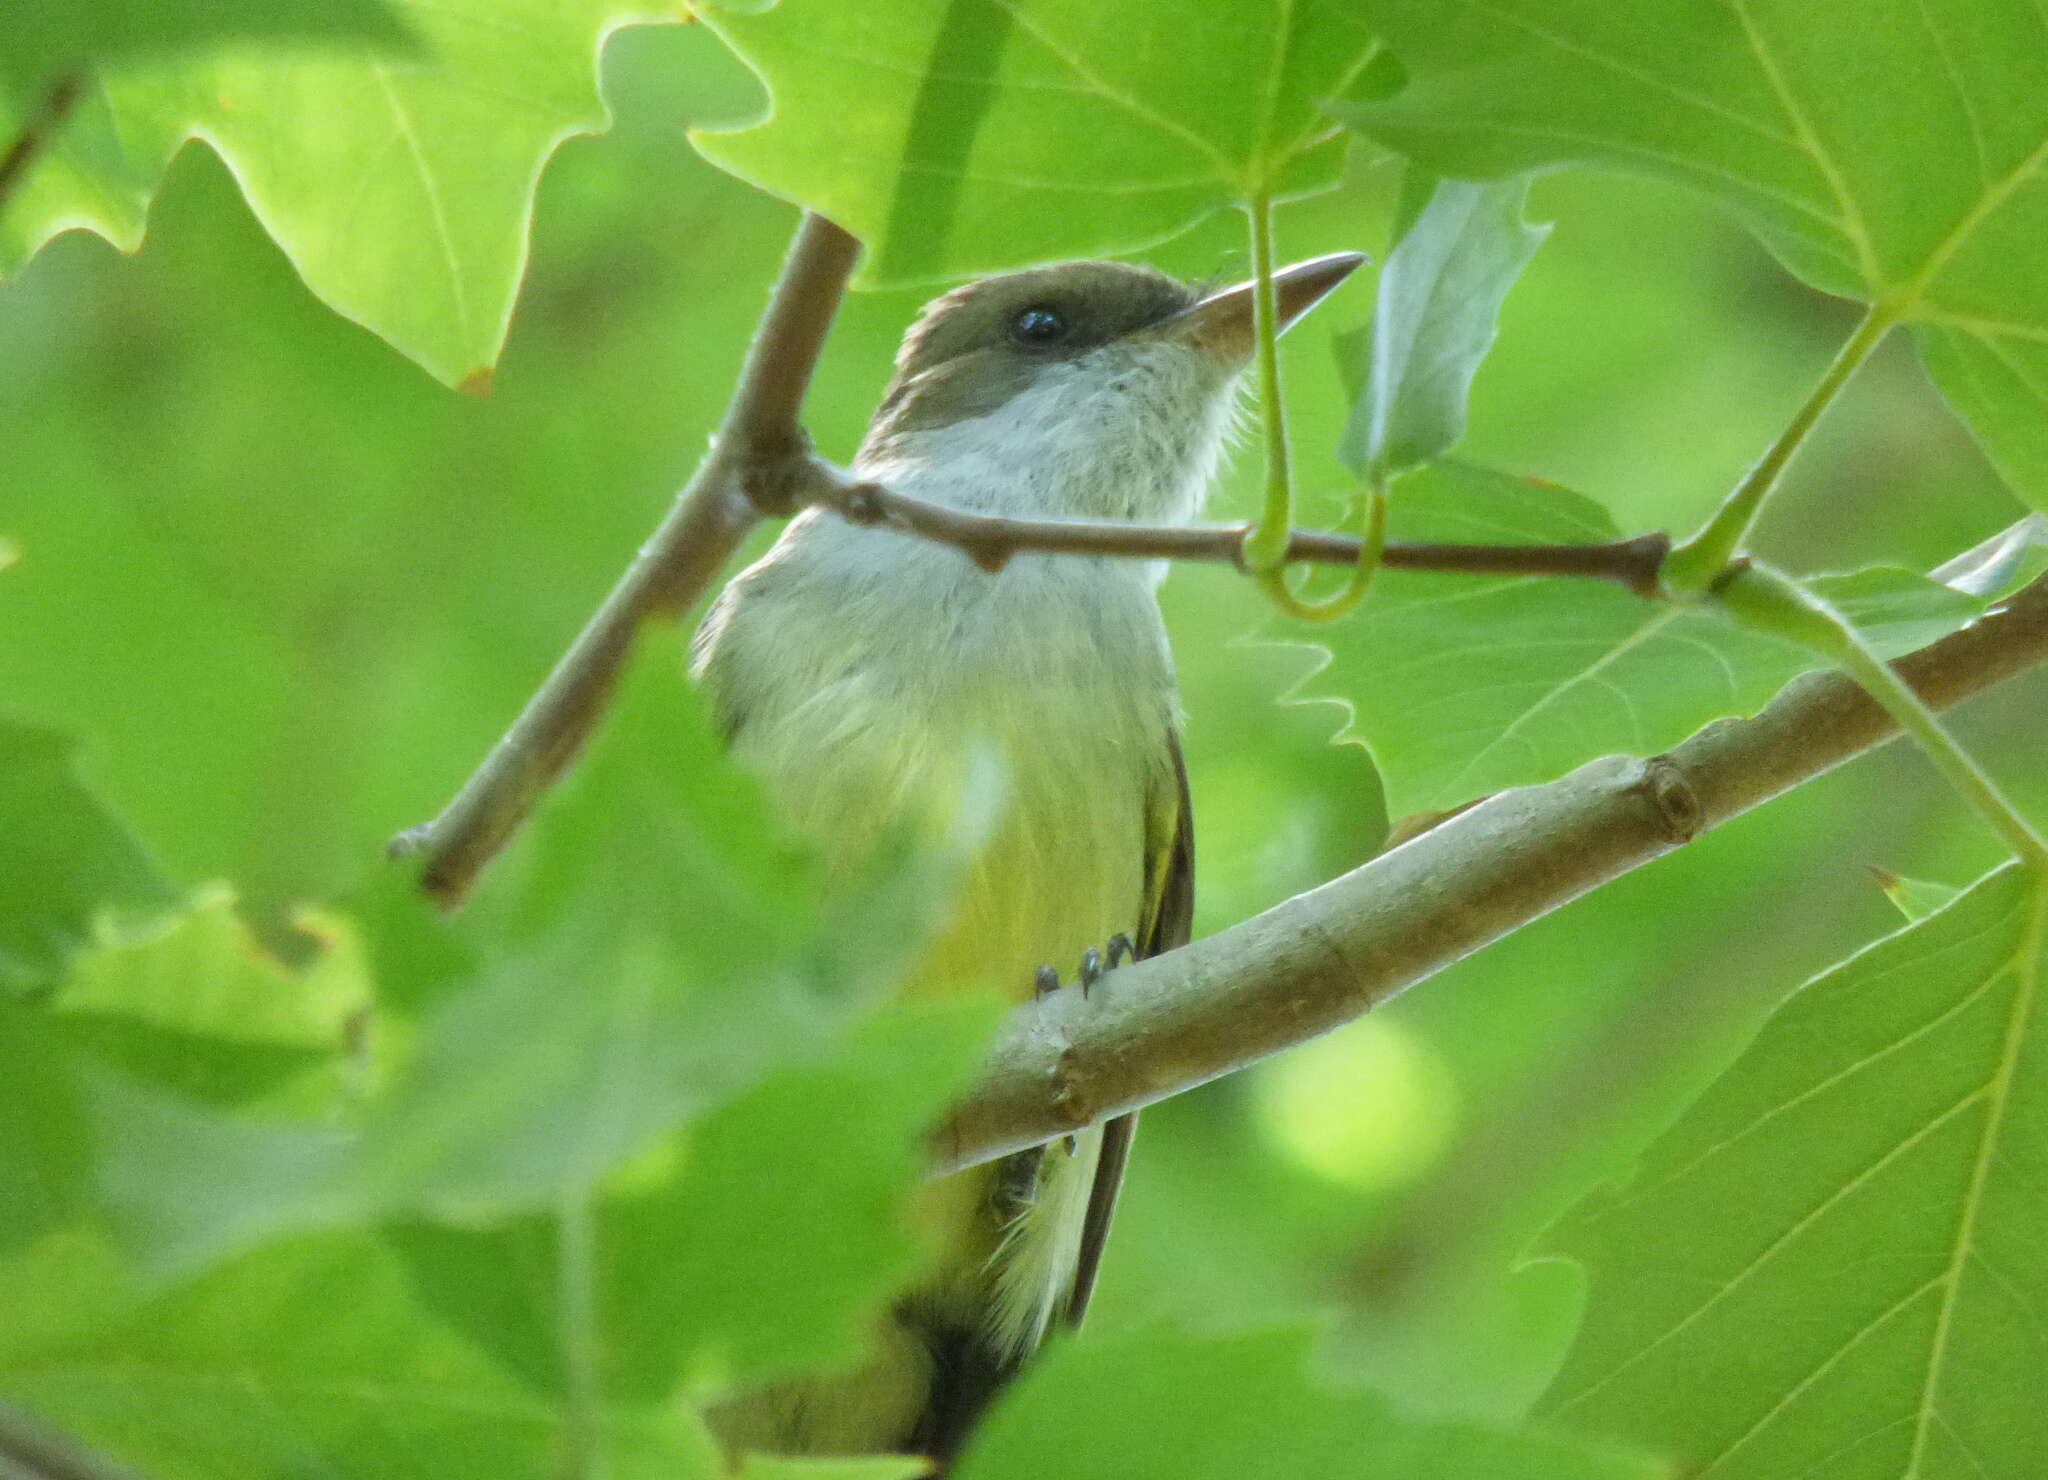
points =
(1038, 326)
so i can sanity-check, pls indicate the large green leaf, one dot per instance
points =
(70, 876)
(960, 136)
(764, 1245)
(1162, 1407)
(1461, 685)
(1438, 305)
(1833, 1264)
(1891, 150)
(400, 187)
(652, 949)
(309, 1358)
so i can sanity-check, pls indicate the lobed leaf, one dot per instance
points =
(1893, 150)
(1832, 1262)
(964, 136)
(1462, 685)
(398, 180)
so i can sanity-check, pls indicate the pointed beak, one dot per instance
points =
(1222, 323)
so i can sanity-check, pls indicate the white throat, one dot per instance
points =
(1108, 435)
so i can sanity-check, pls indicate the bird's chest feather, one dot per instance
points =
(1026, 710)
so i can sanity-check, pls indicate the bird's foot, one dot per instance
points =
(1095, 965)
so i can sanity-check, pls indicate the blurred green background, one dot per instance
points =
(289, 590)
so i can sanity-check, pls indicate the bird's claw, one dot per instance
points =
(1095, 964)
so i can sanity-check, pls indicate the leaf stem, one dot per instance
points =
(1761, 597)
(1372, 549)
(1265, 548)
(1697, 563)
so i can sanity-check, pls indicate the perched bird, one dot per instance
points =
(867, 674)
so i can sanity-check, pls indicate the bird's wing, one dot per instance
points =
(1169, 919)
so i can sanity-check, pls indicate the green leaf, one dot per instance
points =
(1891, 150)
(40, 43)
(400, 189)
(1833, 1261)
(206, 1011)
(70, 876)
(1162, 1407)
(652, 949)
(1462, 685)
(1439, 301)
(962, 136)
(1916, 898)
(208, 976)
(763, 1246)
(306, 1358)
(45, 1131)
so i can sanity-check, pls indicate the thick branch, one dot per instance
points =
(991, 539)
(1324, 957)
(757, 455)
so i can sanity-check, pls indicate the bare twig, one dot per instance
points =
(1324, 957)
(991, 539)
(41, 127)
(755, 459)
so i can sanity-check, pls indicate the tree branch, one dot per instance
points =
(1323, 958)
(38, 131)
(755, 460)
(991, 539)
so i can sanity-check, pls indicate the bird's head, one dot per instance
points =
(1082, 389)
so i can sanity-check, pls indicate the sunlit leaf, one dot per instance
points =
(1833, 1262)
(1891, 150)
(399, 184)
(958, 136)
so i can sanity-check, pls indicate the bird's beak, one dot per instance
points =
(1222, 324)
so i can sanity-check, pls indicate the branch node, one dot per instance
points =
(1663, 783)
(861, 504)
(777, 479)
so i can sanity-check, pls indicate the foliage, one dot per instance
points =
(296, 1175)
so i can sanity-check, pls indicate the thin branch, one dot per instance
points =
(991, 539)
(756, 457)
(38, 132)
(1323, 958)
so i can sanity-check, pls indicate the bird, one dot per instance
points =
(870, 677)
